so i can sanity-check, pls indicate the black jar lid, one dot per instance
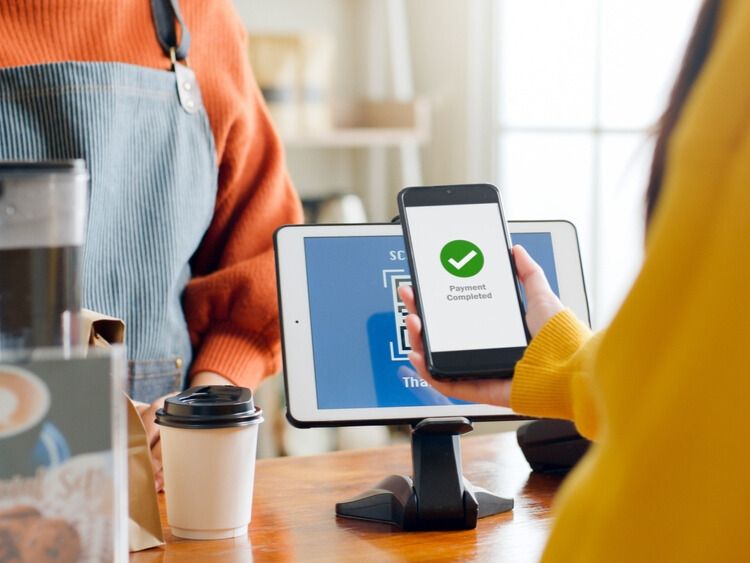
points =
(75, 165)
(210, 406)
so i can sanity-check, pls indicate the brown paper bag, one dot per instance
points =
(144, 527)
(101, 329)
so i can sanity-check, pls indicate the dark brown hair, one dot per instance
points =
(696, 54)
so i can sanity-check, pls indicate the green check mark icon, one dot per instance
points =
(462, 258)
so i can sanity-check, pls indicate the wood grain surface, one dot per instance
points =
(294, 519)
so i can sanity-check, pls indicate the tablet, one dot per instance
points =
(344, 341)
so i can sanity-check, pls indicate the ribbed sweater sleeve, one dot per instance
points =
(552, 379)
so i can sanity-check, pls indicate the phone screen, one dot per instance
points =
(466, 284)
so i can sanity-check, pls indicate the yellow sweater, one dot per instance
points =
(665, 390)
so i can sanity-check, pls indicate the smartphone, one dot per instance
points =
(464, 280)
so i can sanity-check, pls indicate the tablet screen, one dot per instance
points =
(359, 341)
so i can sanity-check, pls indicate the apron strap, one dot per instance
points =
(165, 12)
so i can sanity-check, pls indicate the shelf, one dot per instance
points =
(369, 124)
(354, 137)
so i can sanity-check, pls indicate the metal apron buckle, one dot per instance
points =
(187, 86)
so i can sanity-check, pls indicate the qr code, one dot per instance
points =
(394, 279)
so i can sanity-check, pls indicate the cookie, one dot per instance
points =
(19, 512)
(12, 534)
(50, 540)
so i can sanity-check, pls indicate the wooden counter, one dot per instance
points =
(294, 519)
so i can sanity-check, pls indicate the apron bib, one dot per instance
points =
(150, 152)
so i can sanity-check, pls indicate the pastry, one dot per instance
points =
(19, 512)
(12, 535)
(50, 540)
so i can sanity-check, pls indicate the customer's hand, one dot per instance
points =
(542, 305)
(148, 416)
(541, 302)
(491, 392)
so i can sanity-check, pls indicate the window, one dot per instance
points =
(578, 86)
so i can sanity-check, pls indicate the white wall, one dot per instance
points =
(315, 171)
(440, 48)
(441, 42)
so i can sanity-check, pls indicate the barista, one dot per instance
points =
(188, 180)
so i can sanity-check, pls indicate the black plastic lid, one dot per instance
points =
(33, 166)
(210, 406)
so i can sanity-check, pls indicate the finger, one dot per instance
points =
(159, 481)
(149, 423)
(406, 292)
(148, 416)
(156, 453)
(417, 361)
(526, 267)
(531, 274)
(522, 260)
(157, 466)
(414, 328)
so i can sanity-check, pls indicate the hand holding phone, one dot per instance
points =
(464, 279)
(485, 391)
(543, 304)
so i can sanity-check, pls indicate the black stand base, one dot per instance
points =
(439, 497)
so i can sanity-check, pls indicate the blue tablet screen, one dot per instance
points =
(360, 344)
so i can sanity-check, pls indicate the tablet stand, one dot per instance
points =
(438, 497)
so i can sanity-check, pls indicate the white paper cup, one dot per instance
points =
(209, 437)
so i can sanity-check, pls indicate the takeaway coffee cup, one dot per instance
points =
(208, 441)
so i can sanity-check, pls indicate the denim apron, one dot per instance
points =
(150, 152)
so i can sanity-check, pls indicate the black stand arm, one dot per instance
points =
(439, 497)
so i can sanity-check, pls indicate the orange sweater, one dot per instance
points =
(230, 304)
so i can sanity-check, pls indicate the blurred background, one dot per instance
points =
(553, 101)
